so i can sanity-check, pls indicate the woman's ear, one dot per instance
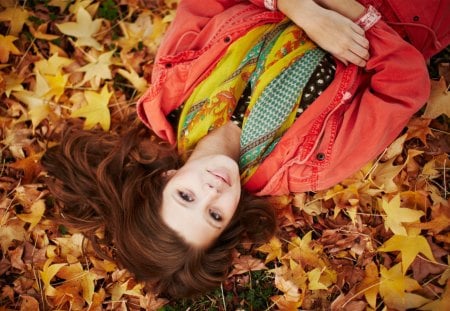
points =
(169, 173)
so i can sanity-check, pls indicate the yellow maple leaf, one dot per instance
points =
(47, 274)
(13, 83)
(396, 215)
(409, 247)
(38, 108)
(314, 279)
(395, 289)
(289, 289)
(83, 29)
(139, 31)
(6, 47)
(57, 85)
(41, 32)
(300, 250)
(439, 101)
(96, 110)
(52, 65)
(61, 4)
(97, 70)
(16, 16)
(370, 284)
(118, 290)
(272, 249)
(139, 83)
(37, 211)
(383, 175)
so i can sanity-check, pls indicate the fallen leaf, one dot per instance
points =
(16, 16)
(47, 274)
(419, 128)
(314, 279)
(409, 247)
(443, 303)
(37, 211)
(272, 249)
(6, 47)
(439, 101)
(397, 216)
(83, 29)
(97, 70)
(96, 110)
(370, 284)
(395, 289)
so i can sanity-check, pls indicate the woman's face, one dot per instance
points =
(201, 197)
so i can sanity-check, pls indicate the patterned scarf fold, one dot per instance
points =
(277, 61)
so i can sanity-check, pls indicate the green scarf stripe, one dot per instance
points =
(275, 104)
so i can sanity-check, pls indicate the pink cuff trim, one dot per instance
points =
(370, 17)
(271, 4)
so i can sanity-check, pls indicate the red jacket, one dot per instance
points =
(357, 116)
(424, 23)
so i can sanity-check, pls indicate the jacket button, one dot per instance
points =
(168, 65)
(416, 18)
(320, 156)
(227, 39)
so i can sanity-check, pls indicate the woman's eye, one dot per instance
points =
(215, 216)
(185, 196)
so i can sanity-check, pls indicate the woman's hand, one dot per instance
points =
(331, 30)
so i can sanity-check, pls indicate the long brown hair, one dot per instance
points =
(114, 182)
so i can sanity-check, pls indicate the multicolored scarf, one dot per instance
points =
(277, 61)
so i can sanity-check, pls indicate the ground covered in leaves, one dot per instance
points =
(380, 240)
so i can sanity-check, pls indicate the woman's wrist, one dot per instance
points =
(351, 9)
(302, 12)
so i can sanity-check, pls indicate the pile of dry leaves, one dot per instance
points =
(378, 241)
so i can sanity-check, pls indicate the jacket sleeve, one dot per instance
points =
(395, 86)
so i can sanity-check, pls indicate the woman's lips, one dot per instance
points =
(222, 174)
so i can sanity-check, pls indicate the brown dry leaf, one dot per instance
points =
(11, 231)
(443, 303)
(246, 263)
(419, 128)
(28, 303)
(29, 165)
(440, 220)
(439, 101)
